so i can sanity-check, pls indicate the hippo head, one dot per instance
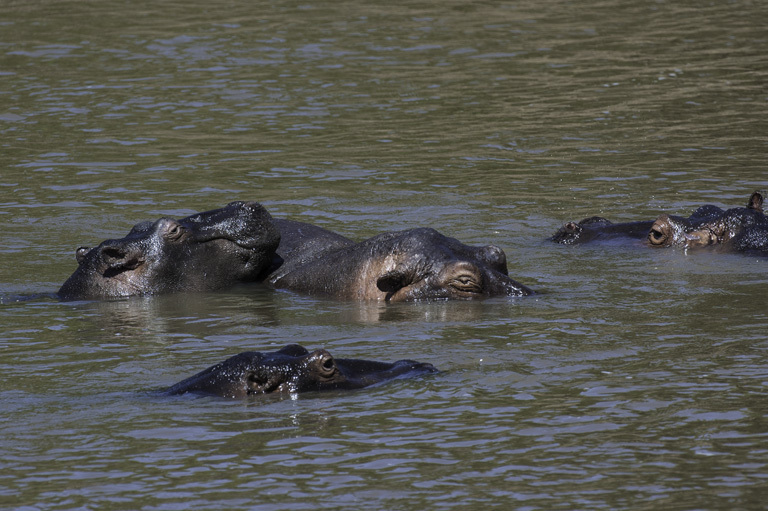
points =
(708, 225)
(572, 233)
(422, 264)
(202, 252)
(292, 369)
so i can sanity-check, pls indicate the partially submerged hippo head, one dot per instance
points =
(293, 369)
(202, 252)
(572, 233)
(416, 264)
(708, 225)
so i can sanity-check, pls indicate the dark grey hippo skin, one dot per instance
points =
(301, 242)
(596, 227)
(206, 251)
(741, 229)
(409, 265)
(293, 369)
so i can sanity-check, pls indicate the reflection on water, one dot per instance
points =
(633, 379)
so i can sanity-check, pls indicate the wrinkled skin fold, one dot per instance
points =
(293, 369)
(202, 252)
(410, 265)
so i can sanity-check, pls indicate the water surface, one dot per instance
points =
(634, 379)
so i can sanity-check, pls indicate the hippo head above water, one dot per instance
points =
(202, 252)
(293, 369)
(709, 225)
(416, 264)
(596, 227)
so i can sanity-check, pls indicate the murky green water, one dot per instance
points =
(636, 379)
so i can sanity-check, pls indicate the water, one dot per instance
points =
(635, 379)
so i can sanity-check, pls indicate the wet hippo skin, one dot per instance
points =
(415, 264)
(741, 229)
(293, 369)
(202, 252)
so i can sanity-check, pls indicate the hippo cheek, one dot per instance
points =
(405, 294)
(456, 281)
(701, 238)
(264, 383)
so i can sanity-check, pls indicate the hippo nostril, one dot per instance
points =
(117, 258)
(112, 255)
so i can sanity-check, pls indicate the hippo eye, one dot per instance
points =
(175, 232)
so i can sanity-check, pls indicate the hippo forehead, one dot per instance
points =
(430, 242)
(286, 357)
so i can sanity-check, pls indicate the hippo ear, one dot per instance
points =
(756, 202)
(80, 254)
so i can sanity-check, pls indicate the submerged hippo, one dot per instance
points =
(415, 264)
(293, 369)
(589, 229)
(202, 252)
(737, 229)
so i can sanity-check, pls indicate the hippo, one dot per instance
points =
(206, 251)
(301, 242)
(408, 265)
(736, 229)
(592, 228)
(292, 369)
(707, 225)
